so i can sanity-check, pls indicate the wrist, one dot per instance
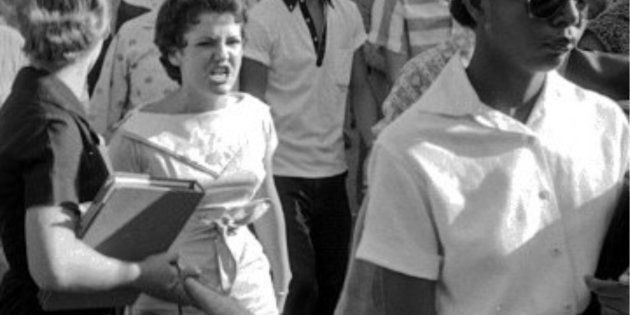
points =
(132, 273)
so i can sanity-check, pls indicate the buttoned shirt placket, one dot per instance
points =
(503, 123)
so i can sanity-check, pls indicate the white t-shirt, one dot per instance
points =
(308, 102)
(506, 217)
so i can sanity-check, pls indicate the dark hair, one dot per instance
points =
(461, 15)
(57, 32)
(176, 17)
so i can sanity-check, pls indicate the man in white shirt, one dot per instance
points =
(493, 192)
(302, 57)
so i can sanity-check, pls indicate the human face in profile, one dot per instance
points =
(211, 59)
(513, 34)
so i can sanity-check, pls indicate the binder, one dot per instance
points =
(132, 216)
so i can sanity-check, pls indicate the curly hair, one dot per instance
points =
(57, 32)
(176, 17)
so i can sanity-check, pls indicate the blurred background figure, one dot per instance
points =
(608, 30)
(305, 59)
(131, 74)
(405, 28)
(12, 59)
(122, 12)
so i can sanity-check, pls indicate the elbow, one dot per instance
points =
(50, 277)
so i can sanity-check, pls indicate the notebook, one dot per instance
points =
(132, 216)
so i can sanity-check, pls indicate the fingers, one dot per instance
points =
(187, 269)
(623, 278)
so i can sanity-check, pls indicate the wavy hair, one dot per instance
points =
(58, 32)
(176, 17)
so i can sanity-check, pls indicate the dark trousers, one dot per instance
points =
(318, 224)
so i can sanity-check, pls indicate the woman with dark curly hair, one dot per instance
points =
(209, 132)
(50, 163)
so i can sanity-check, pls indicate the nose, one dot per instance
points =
(221, 51)
(570, 14)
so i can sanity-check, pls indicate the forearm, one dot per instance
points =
(210, 301)
(366, 111)
(59, 261)
(270, 229)
(394, 62)
(362, 101)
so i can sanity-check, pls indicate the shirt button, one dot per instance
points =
(543, 194)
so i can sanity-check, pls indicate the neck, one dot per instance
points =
(191, 101)
(504, 86)
(74, 76)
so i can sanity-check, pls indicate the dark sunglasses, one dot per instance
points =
(546, 9)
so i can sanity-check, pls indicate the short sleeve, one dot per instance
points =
(397, 39)
(258, 43)
(399, 233)
(358, 30)
(270, 134)
(379, 24)
(52, 156)
(125, 154)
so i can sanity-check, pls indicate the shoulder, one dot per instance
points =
(583, 105)
(253, 105)
(10, 37)
(266, 11)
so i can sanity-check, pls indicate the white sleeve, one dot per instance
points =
(358, 30)
(399, 232)
(258, 42)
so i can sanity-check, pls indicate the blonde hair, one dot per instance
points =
(57, 32)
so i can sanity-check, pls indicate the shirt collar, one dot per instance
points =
(452, 94)
(45, 87)
(292, 4)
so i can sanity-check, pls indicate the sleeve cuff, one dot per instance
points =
(416, 264)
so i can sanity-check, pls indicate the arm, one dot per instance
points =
(59, 261)
(404, 294)
(254, 78)
(362, 101)
(394, 61)
(271, 232)
(210, 301)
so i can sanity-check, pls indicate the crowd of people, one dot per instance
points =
(494, 153)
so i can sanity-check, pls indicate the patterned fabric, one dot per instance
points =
(131, 75)
(418, 74)
(611, 28)
(411, 26)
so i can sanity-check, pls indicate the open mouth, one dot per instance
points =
(220, 74)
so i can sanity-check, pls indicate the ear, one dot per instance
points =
(175, 57)
(475, 10)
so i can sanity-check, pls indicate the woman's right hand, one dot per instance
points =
(160, 276)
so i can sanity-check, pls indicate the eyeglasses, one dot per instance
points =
(545, 9)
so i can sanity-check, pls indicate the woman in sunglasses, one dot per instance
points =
(492, 193)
